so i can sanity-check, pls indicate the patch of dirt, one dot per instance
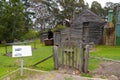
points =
(109, 70)
(68, 70)
(55, 75)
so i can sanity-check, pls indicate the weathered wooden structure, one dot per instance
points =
(44, 38)
(109, 30)
(72, 44)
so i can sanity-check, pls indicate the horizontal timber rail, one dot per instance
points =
(43, 60)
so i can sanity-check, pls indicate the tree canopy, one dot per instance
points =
(65, 8)
(97, 8)
(14, 20)
(17, 15)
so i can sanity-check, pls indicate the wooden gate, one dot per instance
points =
(68, 50)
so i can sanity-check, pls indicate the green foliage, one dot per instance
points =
(58, 28)
(31, 34)
(65, 9)
(13, 20)
(97, 8)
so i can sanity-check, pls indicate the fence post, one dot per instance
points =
(86, 58)
(55, 57)
(81, 58)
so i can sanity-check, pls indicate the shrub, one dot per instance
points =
(30, 35)
(58, 27)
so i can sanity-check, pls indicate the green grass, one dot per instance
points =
(93, 63)
(27, 74)
(68, 78)
(8, 64)
(112, 52)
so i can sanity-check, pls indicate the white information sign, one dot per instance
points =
(21, 51)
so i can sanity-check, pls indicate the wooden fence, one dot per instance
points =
(69, 50)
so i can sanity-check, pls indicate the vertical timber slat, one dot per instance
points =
(55, 57)
(81, 57)
(62, 55)
(86, 59)
(76, 66)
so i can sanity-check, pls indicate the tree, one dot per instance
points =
(108, 6)
(64, 9)
(13, 20)
(42, 15)
(51, 12)
(96, 8)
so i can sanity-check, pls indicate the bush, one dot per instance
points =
(58, 28)
(30, 35)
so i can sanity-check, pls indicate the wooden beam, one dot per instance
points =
(43, 60)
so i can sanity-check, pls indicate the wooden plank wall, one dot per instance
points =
(68, 47)
(71, 50)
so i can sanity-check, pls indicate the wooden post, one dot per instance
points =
(59, 55)
(69, 58)
(55, 57)
(62, 55)
(21, 66)
(76, 66)
(86, 59)
(72, 58)
(66, 58)
(81, 58)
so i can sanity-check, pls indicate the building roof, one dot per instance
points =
(86, 16)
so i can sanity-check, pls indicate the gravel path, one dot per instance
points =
(54, 75)
(109, 70)
(59, 76)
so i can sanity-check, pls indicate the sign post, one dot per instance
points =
(21, 66)
(21, 51)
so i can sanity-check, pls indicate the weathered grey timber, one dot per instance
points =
(94, 23)
(55, 57)
(74, 41)
(43, 35)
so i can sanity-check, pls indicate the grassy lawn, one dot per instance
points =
(111, 52)
(7, 64)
